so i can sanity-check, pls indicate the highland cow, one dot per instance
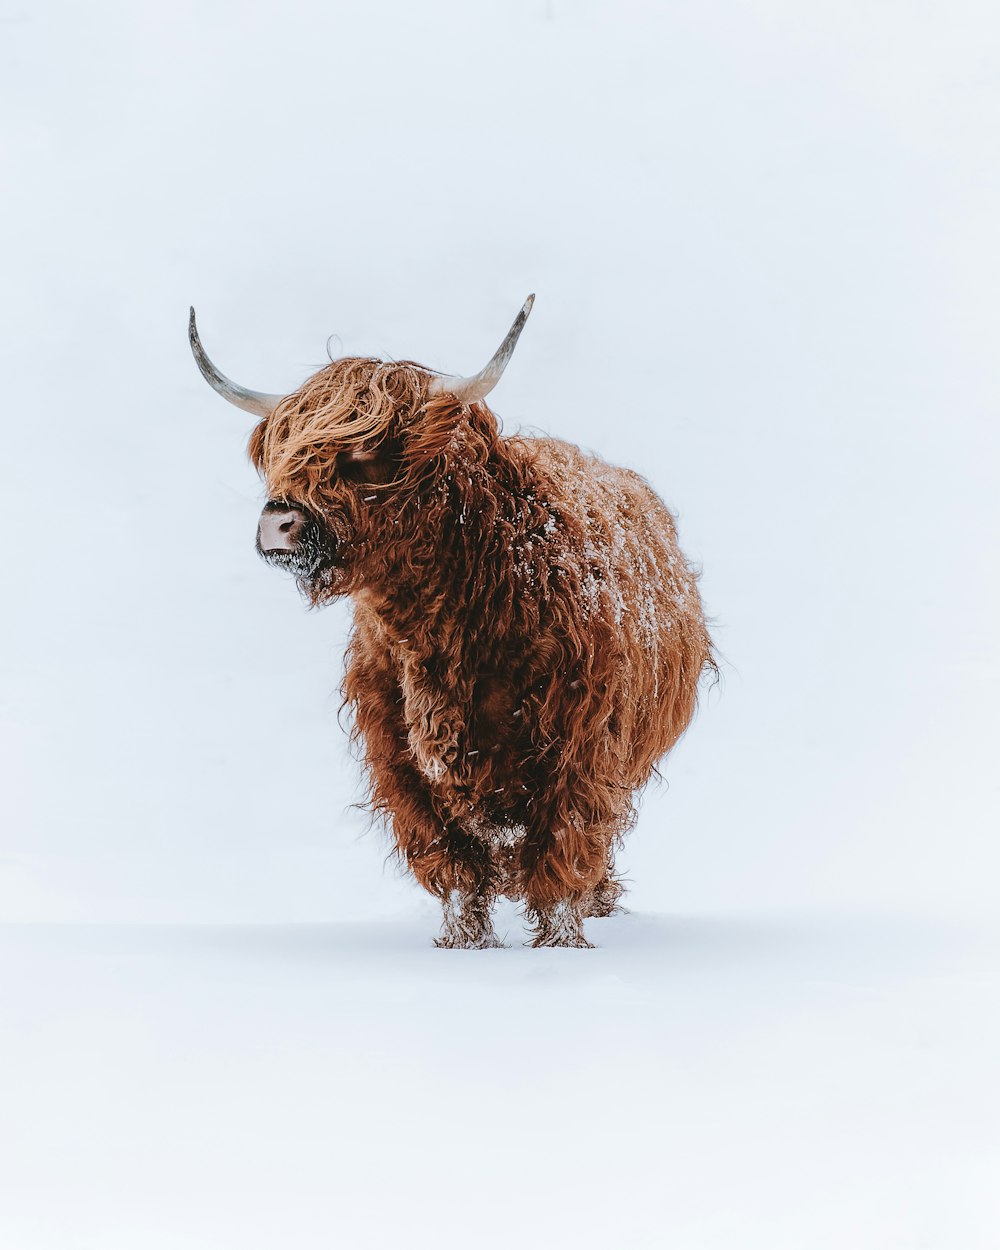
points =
(528, 638)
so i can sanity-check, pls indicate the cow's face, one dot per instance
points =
(333, 457)
(331, 505)
(347, 457)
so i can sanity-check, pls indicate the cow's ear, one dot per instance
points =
(255, 447)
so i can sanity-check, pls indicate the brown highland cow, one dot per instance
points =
(528, 638)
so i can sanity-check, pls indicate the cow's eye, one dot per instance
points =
(366, 466)
(352, 468)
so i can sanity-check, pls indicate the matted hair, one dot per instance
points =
(529, 638)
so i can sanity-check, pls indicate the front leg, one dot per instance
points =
(563, 863)
(468, 922)
(603, 899)
(449, 863)
(558, 924)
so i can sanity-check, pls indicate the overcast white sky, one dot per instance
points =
(763, 238)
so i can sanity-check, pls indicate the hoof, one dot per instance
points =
(453, 942)
(579, 942)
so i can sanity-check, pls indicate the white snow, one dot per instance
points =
(763, 238)
(698, 1081)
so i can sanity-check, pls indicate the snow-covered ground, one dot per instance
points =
(763, 239)
(698, 1081)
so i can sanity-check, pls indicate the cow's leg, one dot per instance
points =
(455, 867)
(602, 900)
(452, 865)
(447, 861)
(468, 922)
(558, 924)
(559, 871)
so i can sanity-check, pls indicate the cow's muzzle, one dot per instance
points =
(280, 528)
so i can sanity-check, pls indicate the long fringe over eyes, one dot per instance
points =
(351, 406)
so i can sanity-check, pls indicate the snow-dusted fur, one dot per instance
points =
(528, 638)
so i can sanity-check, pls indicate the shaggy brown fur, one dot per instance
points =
(528, 637)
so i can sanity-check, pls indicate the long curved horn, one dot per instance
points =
(257, 402)
(470, 390)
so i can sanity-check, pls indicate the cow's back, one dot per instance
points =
(637, 596)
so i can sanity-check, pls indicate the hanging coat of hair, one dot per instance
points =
(528, 637)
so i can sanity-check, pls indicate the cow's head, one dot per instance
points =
(348, 455)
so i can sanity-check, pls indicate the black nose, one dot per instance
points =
(279, 530)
